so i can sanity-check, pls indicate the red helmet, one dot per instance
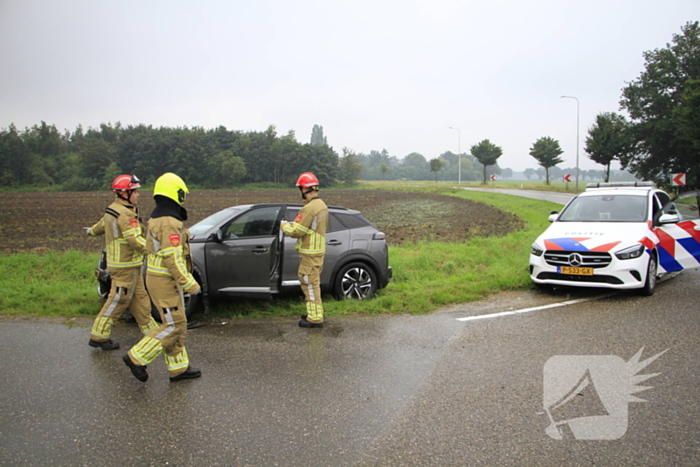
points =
(307, 180)
(124, 183)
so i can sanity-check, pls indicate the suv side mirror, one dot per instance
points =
(220, 235)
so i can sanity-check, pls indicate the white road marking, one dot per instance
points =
(528, 310)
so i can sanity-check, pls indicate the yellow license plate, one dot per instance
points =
(577, 271)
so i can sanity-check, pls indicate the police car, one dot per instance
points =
(618, 236)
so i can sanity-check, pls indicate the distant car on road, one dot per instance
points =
(241, 252)
(619, 236)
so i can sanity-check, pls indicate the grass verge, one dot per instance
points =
(426, 275)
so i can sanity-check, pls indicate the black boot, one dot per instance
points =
(104, 345)
(308, 324)
(190, 373)
(138, 371)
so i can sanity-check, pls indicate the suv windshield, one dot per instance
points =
(606, 208)
(205, 225)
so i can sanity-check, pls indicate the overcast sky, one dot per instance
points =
(376, 74)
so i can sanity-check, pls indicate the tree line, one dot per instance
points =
(89, 160)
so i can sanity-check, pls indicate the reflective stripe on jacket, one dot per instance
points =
(169, 251)
(309, 227)
(124, 240)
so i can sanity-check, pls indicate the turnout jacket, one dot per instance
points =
(124, 240)
(309, 227)
(169, 249)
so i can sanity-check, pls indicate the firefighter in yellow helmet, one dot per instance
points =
(168, 278)
(125, 248)
(309, 228)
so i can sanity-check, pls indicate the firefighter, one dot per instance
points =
(168, 278)
(309, 228)
(125, 248)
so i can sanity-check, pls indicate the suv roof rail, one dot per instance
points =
(619, 184)
(299, 205)
(296, 205)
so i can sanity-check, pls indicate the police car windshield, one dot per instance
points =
(205, 225)
(606, 208)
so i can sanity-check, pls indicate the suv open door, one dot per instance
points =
(242, 259)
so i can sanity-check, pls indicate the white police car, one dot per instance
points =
(619, 236)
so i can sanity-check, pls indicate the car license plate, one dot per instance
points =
(577, 271)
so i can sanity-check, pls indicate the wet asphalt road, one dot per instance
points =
(363, 391)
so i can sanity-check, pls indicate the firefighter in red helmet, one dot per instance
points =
(309, 228)
(125, 247)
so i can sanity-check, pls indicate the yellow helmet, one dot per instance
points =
(171, 186)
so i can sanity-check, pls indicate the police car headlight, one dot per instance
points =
(536, 250)
(631, 252)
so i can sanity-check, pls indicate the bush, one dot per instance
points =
(82, 184)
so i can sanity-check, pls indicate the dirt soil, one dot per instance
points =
(53, 221)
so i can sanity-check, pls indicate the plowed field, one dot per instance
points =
(53, 221)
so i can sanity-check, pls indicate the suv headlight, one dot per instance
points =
(536, 250)
(631, 252)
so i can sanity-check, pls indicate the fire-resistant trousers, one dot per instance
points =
(310, 267)
(169, 337)
(127, 291)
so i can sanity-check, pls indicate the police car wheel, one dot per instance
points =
(650, 282)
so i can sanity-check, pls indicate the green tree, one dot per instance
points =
(487, 154)
(14, 159)
(414, 167)
(546, 151)
(226, 169)
(659, 103)
(193, 150)
(96, 155)
(468, 169)
(383, 168)
(45, 145)
(435, 166)
(688, 113)
(111, 172)
(317, 136)
(609, 139)
(350, 168)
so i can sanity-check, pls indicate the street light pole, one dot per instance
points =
(577, 126)
(459, 157)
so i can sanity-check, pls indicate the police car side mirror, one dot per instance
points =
(669, 219)
(553, 216)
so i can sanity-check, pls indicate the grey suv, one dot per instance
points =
(241, 252)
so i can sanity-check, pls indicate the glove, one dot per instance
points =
(87, 230)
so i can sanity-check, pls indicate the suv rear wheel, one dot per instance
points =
(355, 280)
